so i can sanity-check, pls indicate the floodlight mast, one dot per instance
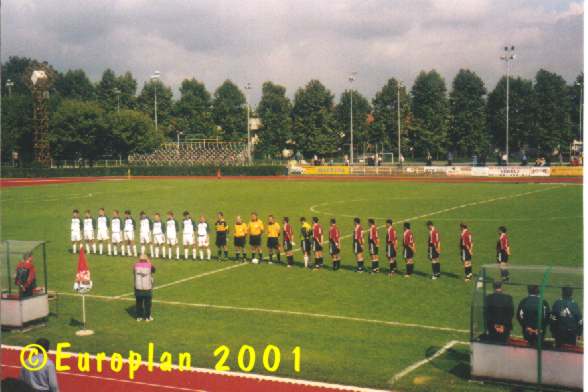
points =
(247, 89)
(154, 79)
(351, 80)
(508, 57)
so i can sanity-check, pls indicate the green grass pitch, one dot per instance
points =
(356, 329)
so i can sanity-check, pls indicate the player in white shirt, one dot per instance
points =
(89, 231)
(116, 234)
(102, 227)
(76, 230)
(188, 235)
(129, 234)
(203, 238)
(158, 236)
(145, 233)
(171, 235)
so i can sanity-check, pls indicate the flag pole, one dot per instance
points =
(84, 331)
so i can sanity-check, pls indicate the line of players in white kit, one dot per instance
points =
(118, 233)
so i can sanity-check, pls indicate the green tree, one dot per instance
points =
(17, 127)
(127, 87)
(521, 116)
(131, 132)
(274, 111)
(430, 109)
(193, 111)
(229, 111)
(552, 114)
(105, 90)
(146, 103)
(385, 112)
(14, 69)
(361, 110)
(467, 131)
(78, 130)
(314, 125)
(74, 84)
(576, 104)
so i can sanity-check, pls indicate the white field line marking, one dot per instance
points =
(418, 364)
(429, 214)
(284, 312)
(254, 376)
(123, 380)
(189, 278)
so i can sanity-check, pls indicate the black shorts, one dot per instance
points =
(221, 238)
(357, 248)
(373, 248)
(255, 240)
(239, 242)
(287, 245)
(390, 251)
(317, 246)
(333, 249)
(408, 253)
(465, 255)
(272, 243)
(501, 257)
(305, 246)
(433, 254)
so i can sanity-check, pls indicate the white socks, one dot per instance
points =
(156, 251)
(87, 248)
(194, 254)
(74, 248)
(201, 254)
(94, 247)
(151, 250)
(100, 247)
(305, 261)
(208, 254)
(116, 250)
(186, 254)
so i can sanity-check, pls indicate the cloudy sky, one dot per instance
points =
(293, 41)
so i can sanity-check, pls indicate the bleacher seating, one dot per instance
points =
(203, 152)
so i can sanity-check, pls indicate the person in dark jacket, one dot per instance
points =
(499, 312)
(26, 276)
(566, 319)
(532, 325)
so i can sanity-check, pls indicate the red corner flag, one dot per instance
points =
(83, 281)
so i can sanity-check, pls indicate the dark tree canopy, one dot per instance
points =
(385, 112)
(274, 111)
(229, 111)
(75, 84)
(193, 111)
(361, 110)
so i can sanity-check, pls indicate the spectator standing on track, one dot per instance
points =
(499, 312)
(44, 379)
(143, 272)
(566, 319)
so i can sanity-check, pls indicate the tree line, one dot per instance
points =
(112, 118)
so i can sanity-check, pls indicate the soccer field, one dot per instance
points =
(354, 329)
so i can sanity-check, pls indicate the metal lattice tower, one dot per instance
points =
(39, 79)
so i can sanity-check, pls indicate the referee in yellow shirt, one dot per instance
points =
(273, 238)
(240, 233)
(255, 232)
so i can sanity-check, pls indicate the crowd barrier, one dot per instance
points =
(442, 171)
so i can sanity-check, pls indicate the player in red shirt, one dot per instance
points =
(409, 249)
(434, 246)
(288, 241)
(466, 246)
(358, 244)
(374, 243)
(317, 241)
(335, 244)
(391, 245)
(503, 252)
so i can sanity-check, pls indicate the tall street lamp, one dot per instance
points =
(398, 86)
(154, 79)
(247, 89)
(9, 85)
(351, 80)
(117, 93)
(507, 57)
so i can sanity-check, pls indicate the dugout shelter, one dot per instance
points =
(516, 359)
(17, 308)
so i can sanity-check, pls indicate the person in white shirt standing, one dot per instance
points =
(115, 234)
(129, 234)
(158, 236)
(171, 234)
(102, 226)
(203, 238)
(76, 230)
(188, 235)
(145, 233)
(89, 232)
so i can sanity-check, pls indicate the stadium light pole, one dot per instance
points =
(117, 92)
(507, 57)
(351, 80)
(247, 88)
(398, 86)
(155, 78)
(580, 125)
(9, 85)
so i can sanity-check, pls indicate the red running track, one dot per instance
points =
(20, 182)
(159, 381)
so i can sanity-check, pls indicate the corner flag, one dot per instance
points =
(83, 282)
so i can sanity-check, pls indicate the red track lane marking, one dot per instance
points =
(19, 182)
(195, 379)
